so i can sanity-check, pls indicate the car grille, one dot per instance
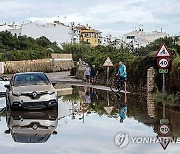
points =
(30, 95)
(35, 105)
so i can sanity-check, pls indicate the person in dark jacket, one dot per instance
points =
(94, 73)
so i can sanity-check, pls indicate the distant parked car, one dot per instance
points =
(3, 82)
(30, 90)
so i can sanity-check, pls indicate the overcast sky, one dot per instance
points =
(109, 16)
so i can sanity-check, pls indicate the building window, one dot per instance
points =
(130, 37)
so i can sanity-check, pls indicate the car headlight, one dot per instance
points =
(51, 92)
(16, 94)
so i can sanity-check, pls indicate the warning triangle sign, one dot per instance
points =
(164, 141)
(108, 62)
(163, 51)
(108, 109)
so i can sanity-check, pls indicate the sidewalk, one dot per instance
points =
(61, 77)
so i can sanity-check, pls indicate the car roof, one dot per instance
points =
(28, 73)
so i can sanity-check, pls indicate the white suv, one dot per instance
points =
(30, 90)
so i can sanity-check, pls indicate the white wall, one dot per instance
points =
(142, 38)
(17, 32)
(4, 28)
(54, 32)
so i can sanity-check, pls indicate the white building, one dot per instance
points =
(5, 27)
(110, 40)
(55, 32)
(140, 38)
(75, 33)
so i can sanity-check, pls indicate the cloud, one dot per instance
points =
(102, 14)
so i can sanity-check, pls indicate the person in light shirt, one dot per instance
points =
(87, 73)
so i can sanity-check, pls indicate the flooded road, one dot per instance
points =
(94, 121)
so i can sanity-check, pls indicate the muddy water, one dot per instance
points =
(90, 121)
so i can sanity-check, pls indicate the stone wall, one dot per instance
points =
(150, 79)
(61, 56)
(39, 65)
(150, 105)
(80, 72)
(61, 65)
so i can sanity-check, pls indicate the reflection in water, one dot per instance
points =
(87, 97)
(89, 100)
(123, 108)
(94, 96)
(82, 124)
(63, 90)
(150, 105)
(31, 126)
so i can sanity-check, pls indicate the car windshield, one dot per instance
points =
(30, 79)
(31, 138)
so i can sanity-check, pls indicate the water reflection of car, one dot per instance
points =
(3, 82)
(31, 127)
(31, 90)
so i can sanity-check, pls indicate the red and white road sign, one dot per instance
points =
(164, 141)
(163, 62)
(163, 51)
(164, 129)
(108, 62)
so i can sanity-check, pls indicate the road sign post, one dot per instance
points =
(163, 135)
(107, 64)
(163, 62)
(107, 74)
(163, 88)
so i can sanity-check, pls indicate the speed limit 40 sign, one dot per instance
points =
(163, 62)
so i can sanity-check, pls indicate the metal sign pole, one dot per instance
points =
(107, 74)
(107, 64)
(163, 88)
(164, 112)
(108, 97)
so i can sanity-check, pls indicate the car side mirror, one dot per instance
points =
(7, 86)
(7, 131)
(54, 133)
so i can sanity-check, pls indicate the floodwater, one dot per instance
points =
(91, 121)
